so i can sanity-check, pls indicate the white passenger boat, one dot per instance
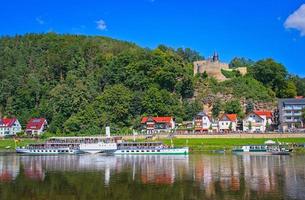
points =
(71, 145)
(135, 148)
(45, 148)
(90, 144)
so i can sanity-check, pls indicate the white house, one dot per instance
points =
(257, 121)
(9, 127)
(36, 126)
(227, 123)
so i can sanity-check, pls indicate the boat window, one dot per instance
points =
(127, 151)
(158, 150)
(153, 150)
(132, 151)
(142, 151)
(147, 150)
(137, 150)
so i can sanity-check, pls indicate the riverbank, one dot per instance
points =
(203, 143)
(227, 144)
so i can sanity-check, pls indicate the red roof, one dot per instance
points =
(7, 122)
(35, 123)
(158, 119)
(268, 114)
(231, 117)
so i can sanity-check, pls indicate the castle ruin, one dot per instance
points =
(213, 67)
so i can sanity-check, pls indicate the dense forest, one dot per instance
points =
(82, 83)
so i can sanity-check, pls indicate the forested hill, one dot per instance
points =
(82, 83)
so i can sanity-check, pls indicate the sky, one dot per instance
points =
(241, 28)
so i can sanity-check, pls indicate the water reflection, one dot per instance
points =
(151, 177)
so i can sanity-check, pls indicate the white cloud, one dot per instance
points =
(40, 21)
(297, 20)
(101, 25)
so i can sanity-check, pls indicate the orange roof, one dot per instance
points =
(158, 119)
(231, 117)
(268, 114)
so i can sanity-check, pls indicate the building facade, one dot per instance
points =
(152, 125)
(290, 113)
(9, 127)
(36, 126)
(227, 123)
(257, 121)
(202, 122)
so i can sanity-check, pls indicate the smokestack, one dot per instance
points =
(108, 131)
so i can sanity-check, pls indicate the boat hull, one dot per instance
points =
(165, 151)
(47, 151)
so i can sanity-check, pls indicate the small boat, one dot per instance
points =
(262, 149)
(136, 148)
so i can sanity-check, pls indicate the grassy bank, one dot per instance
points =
(10, 143)
(208, 144)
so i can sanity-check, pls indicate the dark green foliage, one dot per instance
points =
(189, 55)
(233, 107)
(82, 83)
(247, 87)
(299, 83)
(191, 108)
(275, 76)
(249, 107)
(241, 62)
(231, 74)
(216, 109)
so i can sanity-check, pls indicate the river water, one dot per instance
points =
(155, 177)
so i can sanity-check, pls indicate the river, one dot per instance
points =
(155, 177)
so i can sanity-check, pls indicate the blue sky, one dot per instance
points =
(253, 29)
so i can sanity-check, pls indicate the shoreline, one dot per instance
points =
(196, 143)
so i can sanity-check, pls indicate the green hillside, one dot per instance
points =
(81, 83)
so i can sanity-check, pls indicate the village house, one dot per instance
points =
(36, 126)
(202, 122)
(257, 121)
(152, 125)
(9, 127)
(227, 123)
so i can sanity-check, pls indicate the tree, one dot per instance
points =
(267, 126)
(250, 126)
(189, 55)
(289, 91)
(216, 109)
(204, 75)
(271, 74)
(299, 83)
(249, 107)
(241, 62)
(230, 126)
(233, 107)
